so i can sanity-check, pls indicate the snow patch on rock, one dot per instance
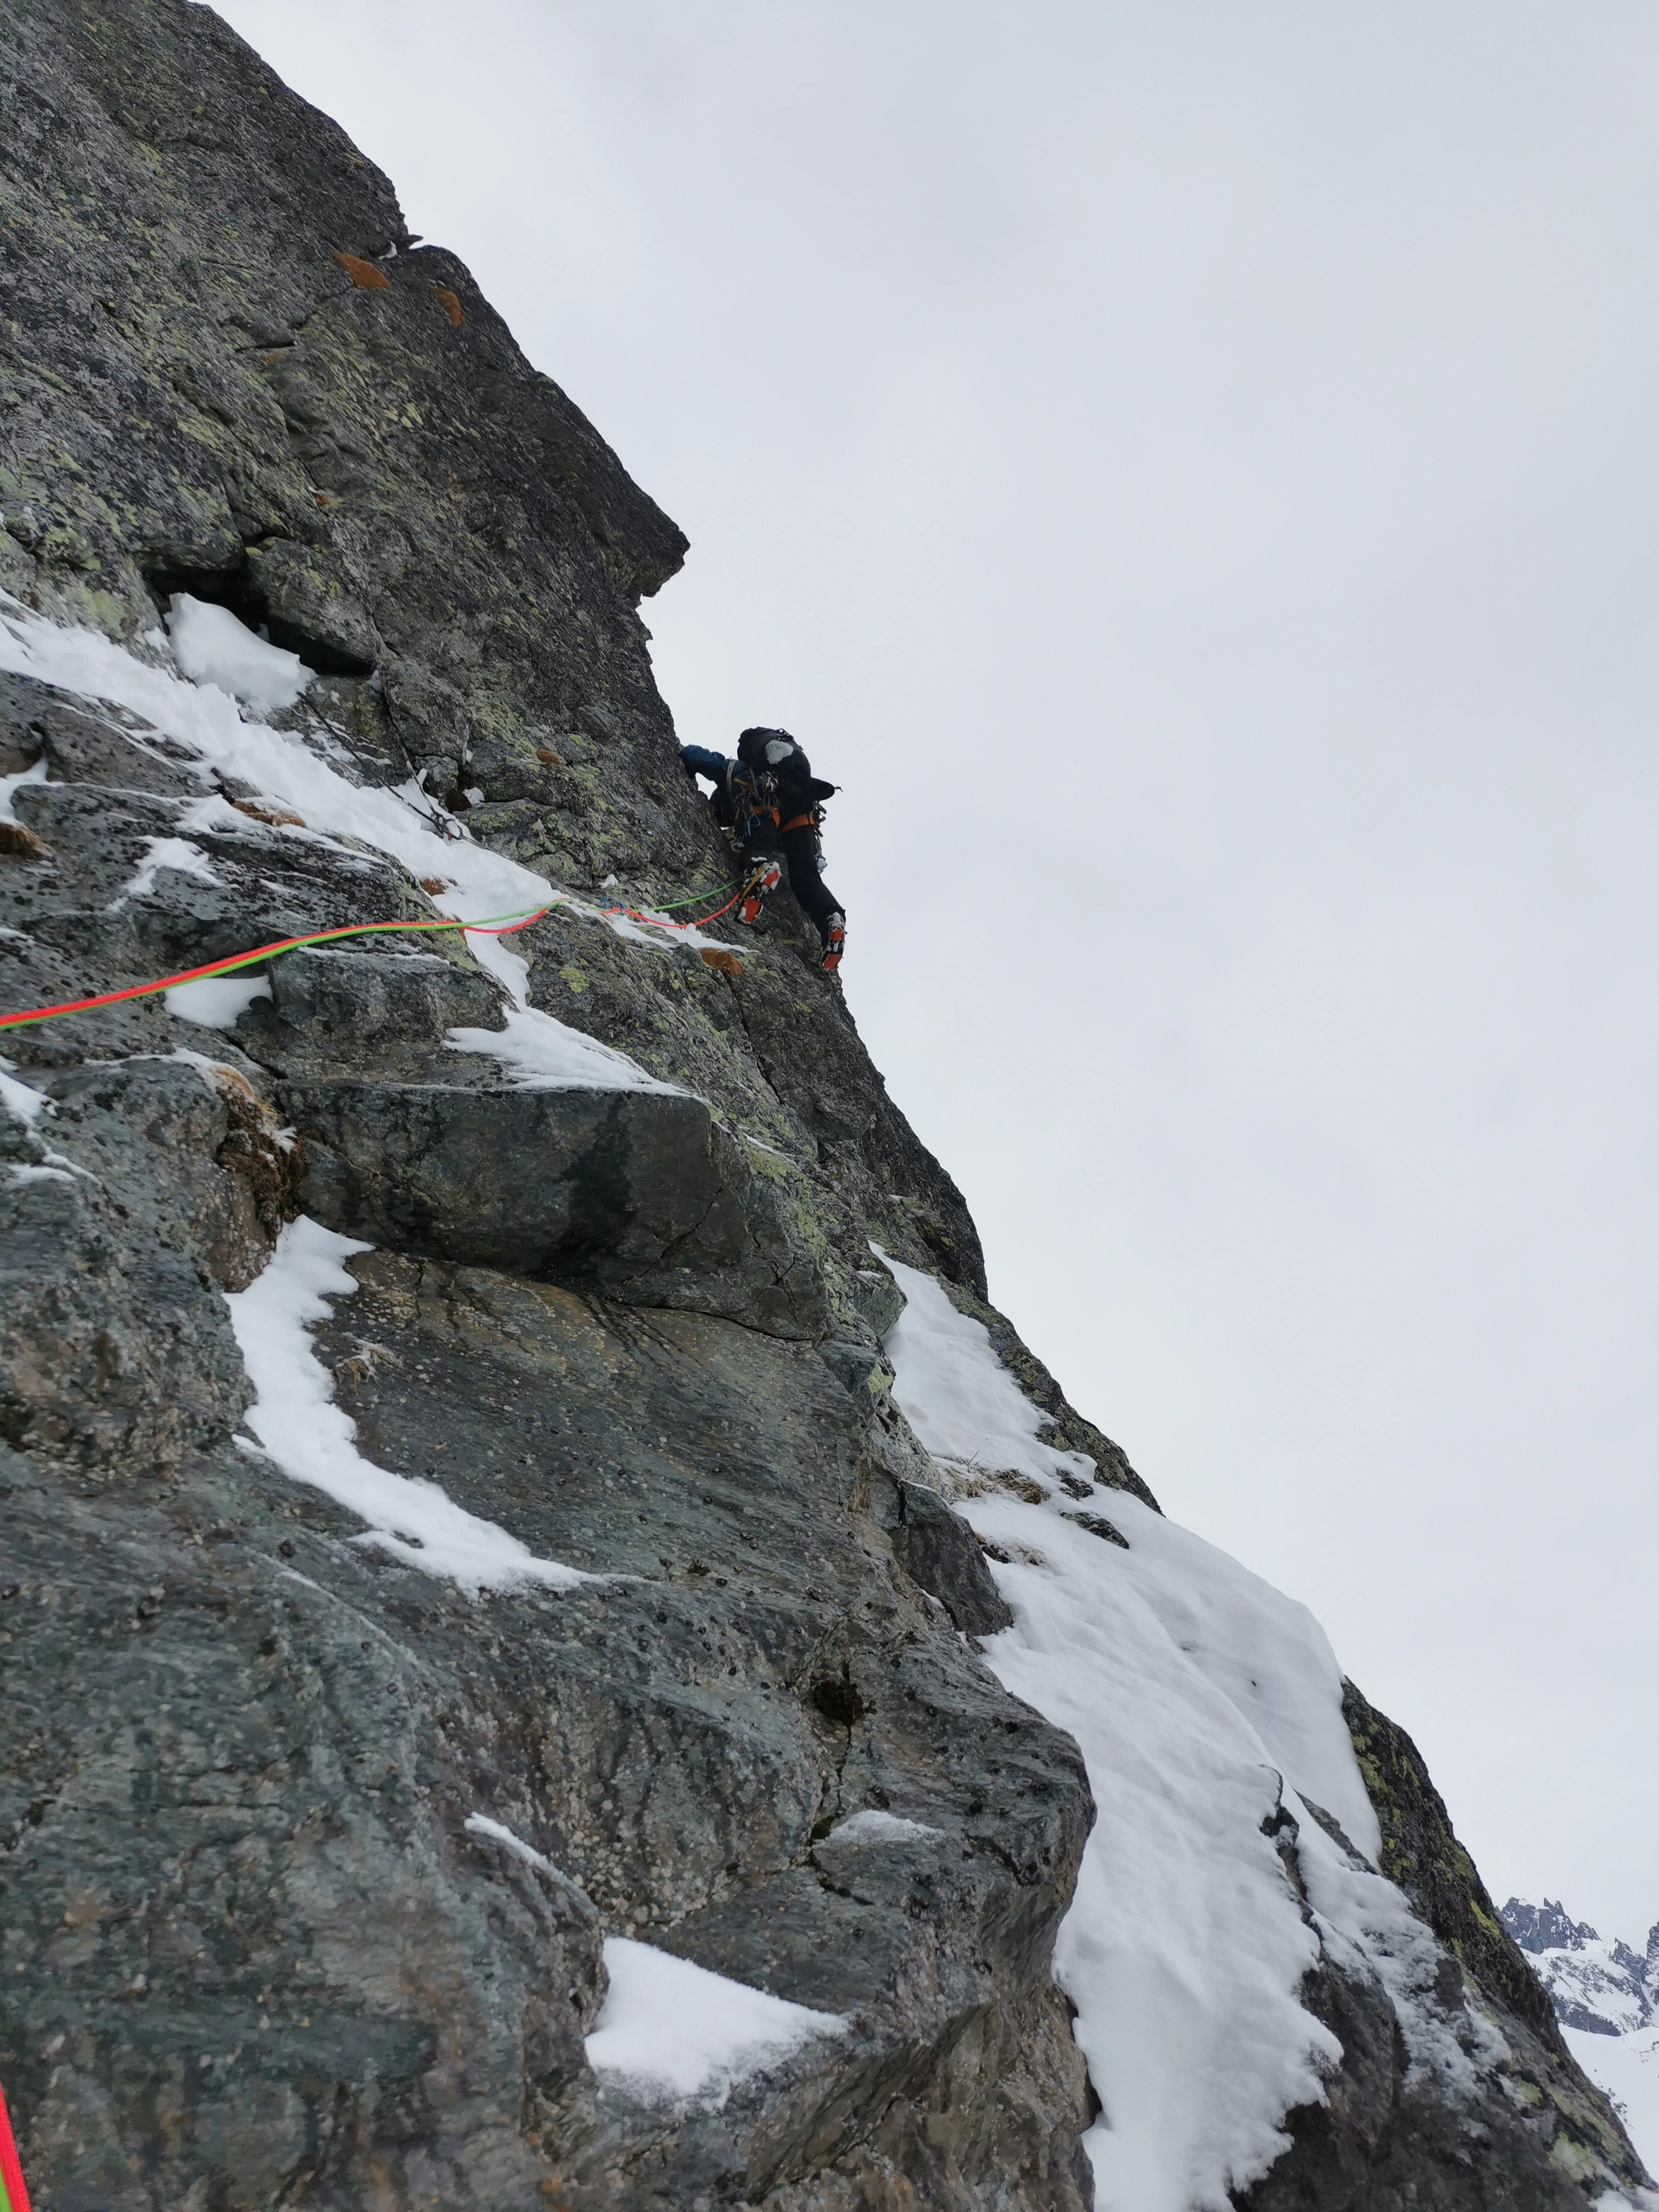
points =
(539, 1053)
(217, 1002)
(312, 1440)
(21, 1100)
(672, 2032)
(875, 1826)
(176, 853)
(211, 646)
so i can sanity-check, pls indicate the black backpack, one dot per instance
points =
(784, 785)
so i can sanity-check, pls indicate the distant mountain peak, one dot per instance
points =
(1600, 1987)
(1546, 1926)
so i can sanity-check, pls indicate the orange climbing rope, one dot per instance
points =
(500, 925)
(497, 925)
(656, 921)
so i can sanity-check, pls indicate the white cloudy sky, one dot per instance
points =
(1189, 471)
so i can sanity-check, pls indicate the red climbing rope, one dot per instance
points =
(499, 926)
(657, 922)
(14, 2196)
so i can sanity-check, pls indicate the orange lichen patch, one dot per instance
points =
(451, 305)
(727, 962)
(367, 274)
(274, 816)
(18, 843)
(547, 759)
(432, 884)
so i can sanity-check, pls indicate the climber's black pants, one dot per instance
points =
(799, 849)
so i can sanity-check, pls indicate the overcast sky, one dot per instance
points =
(1190, 471)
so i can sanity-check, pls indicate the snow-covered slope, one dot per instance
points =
(1236, 1843)
(1606, 1995)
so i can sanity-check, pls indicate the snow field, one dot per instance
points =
(1202, 1699)
(1627, 2068)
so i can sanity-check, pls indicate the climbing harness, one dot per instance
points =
(501, 925)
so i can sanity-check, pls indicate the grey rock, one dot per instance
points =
(639, 1194)
(1097, 1525)
(1534, 2135)
(249, 1951)
(300, 595)
(333, 1006)
(939, 1552)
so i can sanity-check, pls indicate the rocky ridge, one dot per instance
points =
(1601, 1988)
(311, 1848)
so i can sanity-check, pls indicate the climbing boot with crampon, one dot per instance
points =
(834, 943)
(764, 879)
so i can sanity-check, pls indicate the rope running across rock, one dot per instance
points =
(496, 926)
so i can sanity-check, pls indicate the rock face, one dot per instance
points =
(310, 1851)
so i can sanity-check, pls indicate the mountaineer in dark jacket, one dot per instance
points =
(768, 802)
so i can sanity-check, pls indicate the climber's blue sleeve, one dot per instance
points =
(701, 761)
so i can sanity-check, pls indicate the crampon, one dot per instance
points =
(764, 880)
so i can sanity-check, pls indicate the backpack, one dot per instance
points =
(783, 783)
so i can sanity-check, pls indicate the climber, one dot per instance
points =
(768, 800)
